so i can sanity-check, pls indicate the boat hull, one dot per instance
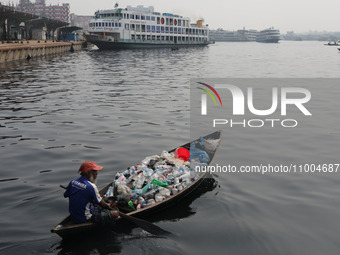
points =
(66, 229)
(138, 44)
(131, 45)
(272, 40)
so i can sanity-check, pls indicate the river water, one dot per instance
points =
(117, 107)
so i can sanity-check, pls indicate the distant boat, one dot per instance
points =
(243, 35)
(269, 35)
(332, 44)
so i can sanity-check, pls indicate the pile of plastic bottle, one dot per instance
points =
(158, 177)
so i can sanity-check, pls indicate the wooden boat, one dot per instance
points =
(66, 228)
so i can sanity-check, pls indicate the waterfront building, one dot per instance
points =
(39, 8)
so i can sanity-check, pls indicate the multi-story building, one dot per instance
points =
(80, 21)
(57, 12)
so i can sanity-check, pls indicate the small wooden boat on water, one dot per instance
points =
(66, 228)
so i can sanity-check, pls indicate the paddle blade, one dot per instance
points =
(147, 226)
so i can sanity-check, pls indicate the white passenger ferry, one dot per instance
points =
(269, 35)
(142, 27)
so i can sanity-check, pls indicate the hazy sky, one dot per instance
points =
(286, 15)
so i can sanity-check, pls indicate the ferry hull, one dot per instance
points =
(273, 40)
(103, 45)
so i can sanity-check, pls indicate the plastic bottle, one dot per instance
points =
(150, 202)
(175, 171)
(121, 179)
(185, 176)
(109, 192)
(165, 192)
(139, 181)
(147, 172)
(174, 191)
(150, 194)
(159, 198)
(131, 205)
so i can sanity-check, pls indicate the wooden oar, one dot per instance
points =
(147, 226)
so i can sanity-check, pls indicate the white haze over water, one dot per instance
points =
(286, 15)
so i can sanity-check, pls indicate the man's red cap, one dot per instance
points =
(89, 165)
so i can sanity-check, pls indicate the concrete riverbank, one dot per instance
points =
(11, 51)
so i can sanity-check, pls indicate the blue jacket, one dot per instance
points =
(82, 194)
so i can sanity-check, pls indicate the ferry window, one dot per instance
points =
(171, 21)
(152, 18)
(175, 30)
(120, 24)
(179, 22)
(106, 24)
(167, 21)
(138, 28)
(116, 24)
(167, 38)
(143, 28)
(137, 16)
(153, 29)
(96, 24)
(132, 16)
(180, 30)
(158, 37)
(148, 37)
(153, 37)
(132, 26)
(158, 20)
(142, 17)
(162, 29)
(147, 17)
(148, 28)
(167, 29)
(133, 37)
(138, 37)
(171, 38)
(158, 29)
(143, 37)
(127, 26)
(162, 38)
(171, 29)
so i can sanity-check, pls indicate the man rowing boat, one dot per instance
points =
(85, 202)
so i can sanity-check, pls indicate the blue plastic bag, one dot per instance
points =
(198, 153)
